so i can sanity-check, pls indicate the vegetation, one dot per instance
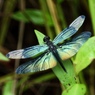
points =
(19, 19)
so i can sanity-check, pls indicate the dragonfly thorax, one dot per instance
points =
(49, 43)
(46, 39)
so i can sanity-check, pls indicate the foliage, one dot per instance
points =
(3, 58)
(85, 56)
(48, 16)
(7, 89)
(69, 80)
(35, 16)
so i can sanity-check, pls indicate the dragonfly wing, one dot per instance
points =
(41, 63)
(27, 52)
(71, 48)
(69, 31)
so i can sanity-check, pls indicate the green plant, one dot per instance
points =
(70, 80)
(64, 11)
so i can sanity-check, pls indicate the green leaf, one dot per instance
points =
(85, 55)
(29, 15)
(8, 87)
(35, 16)
(67, 79)
(40, 36)
(3, 58)
(77, 89)
(20, 17)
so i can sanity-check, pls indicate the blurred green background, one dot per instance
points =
(18, 20)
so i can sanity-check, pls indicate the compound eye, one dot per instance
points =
(46, 38)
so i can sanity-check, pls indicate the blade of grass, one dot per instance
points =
(92, 12)
(9, 7)
(45, 12)
(61, 15)
(19, 45)
(54, 16)
(8, 86)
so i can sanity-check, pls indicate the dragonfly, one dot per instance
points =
(47, 56)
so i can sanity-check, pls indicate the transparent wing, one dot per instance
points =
(71, 48)
(69, 31)
(41, 63)
(27, 52)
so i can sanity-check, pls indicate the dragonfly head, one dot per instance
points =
(46, 39)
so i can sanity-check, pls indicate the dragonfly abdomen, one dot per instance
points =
(53, 49)
(56, 55)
